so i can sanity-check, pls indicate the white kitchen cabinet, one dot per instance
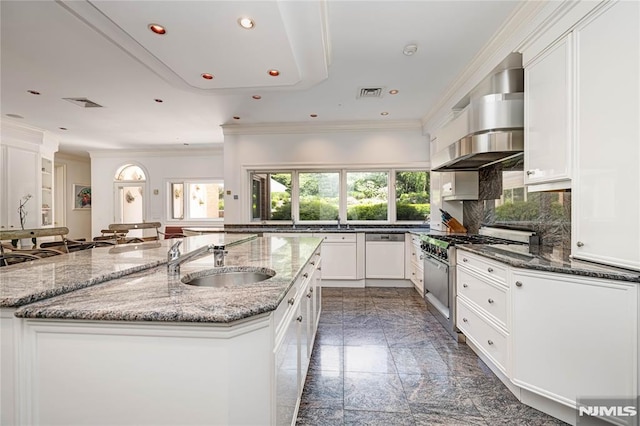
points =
(342, 258)
(548, 118)
(574, 336)
(24, 156)
(459, 186)
(483, 303)
(384, 258)
(46, 191)
(415, 267)
(606, 186)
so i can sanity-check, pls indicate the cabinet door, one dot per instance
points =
(287, 361)
(606, 206)
(339, 261)
(22, 179)
(384, 259)
(547, 106)
(574, 336)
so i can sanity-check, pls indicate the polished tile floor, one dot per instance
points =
(380, 358)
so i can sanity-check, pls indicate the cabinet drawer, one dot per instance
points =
(489, 339)
(286, 306)
(482, 265)
(490, 297)
(337, 237)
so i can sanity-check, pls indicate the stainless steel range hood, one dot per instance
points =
(493, 125)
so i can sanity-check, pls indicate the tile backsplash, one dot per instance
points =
(504, 201)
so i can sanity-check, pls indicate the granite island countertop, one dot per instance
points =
(25, 283)
(153, 295)
(322, 229)
(519, 257)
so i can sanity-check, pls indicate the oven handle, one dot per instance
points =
(435, 262)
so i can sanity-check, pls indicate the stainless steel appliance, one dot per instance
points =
(440, 273)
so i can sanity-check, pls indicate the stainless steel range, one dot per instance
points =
(440, 273)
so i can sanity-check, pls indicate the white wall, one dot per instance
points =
(292, 147)
(77, 171)
(160, 166)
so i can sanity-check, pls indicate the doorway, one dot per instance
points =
(130, 192)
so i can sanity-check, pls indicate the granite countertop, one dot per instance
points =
(386, 229)
(527, 261)
(153, 295)
(25, 283)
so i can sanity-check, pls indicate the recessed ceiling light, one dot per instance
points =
(313, 115)
(257, 97)
(158, 29)
(274, 73)
(33, 92)
(235, 117)
(14, 116)
(207, 76)
(158, 100)
(246, 23)
(63, 128)
(384, 113)
(393, 92)
(410, 49)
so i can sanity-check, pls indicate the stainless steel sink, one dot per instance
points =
(228, 276)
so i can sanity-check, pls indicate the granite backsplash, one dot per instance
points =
(505, 202)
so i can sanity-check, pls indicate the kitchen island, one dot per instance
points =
(146, 348)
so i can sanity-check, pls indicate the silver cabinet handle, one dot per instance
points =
(530, 172)
(490, 269)
(312, 262)
(465, 320)
(291, 301)
(309, 295)
(465, 285)
(490, 342)
(580, 244)
(311, 290)
(464, 259)
(490, 300)
(305, 275)
(518, 284)
(421, 257)
(299, 319)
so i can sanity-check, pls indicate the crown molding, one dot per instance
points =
(326, 127)
(120, 153)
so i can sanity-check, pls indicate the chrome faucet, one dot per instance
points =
(293, 223)
(338, 222)
(174, 259)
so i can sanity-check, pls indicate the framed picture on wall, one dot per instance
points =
(81, 196)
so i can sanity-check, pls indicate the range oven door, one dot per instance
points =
(436, 279)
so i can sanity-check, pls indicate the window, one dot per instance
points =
(197, 200)
(352, 195)
(319, 195)
(412, 195)
(367, 195)
(271, 196)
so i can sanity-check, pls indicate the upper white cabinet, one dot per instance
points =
(548, 118)
(46, 187)
(459, 186)
(606, 186)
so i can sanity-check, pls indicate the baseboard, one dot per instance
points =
(371, 282)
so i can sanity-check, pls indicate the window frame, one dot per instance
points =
(342, 208)
(186, 184)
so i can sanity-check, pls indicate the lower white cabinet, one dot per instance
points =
(574, 336)
(552, 338)
(414, 263)
(343, 258)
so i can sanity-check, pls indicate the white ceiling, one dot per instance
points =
(326, 51)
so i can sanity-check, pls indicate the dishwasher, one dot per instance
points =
(384, 256)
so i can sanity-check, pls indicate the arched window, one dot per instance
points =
(130, 172)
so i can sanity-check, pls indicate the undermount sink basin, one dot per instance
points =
(228, 276)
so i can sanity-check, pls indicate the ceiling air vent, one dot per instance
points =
(83, 102)
(370, 92)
